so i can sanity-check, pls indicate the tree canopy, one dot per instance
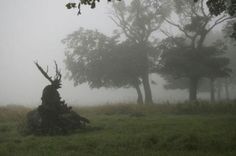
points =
(91, 3)
(216, 7)
(137, 22)
(185, 62)
(100, 61)
(194, 23)
(128, 57)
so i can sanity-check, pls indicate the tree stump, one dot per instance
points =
(53, 116)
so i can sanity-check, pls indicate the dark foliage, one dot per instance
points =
(91, 3)
(100, 61)
(182, 62)
(53, 116)
(217, 7)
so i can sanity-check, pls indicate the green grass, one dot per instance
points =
(199, 129)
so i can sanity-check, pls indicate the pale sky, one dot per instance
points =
(32, 30)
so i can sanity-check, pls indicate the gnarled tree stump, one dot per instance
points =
(53, 116)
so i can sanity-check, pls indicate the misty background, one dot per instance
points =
(32, 30)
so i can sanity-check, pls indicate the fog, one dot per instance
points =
(32, 30)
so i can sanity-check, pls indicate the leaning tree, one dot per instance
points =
(53, 116)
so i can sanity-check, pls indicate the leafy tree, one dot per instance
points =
(137, 22)
(182, 62)
(101, 61)
(216, 7)
(219, 7)
(230, 31)
(217, 66)
(218, 80)
(229, 84)
(224, 84)
(128, 66)
(195, 23)
(86, 53)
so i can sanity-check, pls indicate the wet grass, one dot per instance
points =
(200, 129)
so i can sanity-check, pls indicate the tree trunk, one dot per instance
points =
(145, 76)
(227, 89)
(219, 90)
(140, 96)
(212, 89)
(193, 89)
(147, 89)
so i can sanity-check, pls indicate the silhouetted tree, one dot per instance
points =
(183, 62)
(230, 83)
(138, 21)
(195, 23)
(53, 116)
(217, 66)
(216, 7)
(100, 61)
(87, 53)
(127, 67)
(221, 8)
(77, 5)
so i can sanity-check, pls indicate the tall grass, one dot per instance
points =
(16, 112)
(201, 107)
(13, 113)
(131, 130)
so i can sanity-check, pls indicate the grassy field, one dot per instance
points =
(199, 129)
